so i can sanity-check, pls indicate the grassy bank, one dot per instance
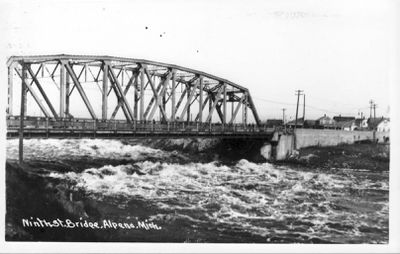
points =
(373, 157)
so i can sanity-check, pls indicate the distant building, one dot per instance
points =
(292, 124)
(379, 124)
(361, 124)
(311, 124)
(274, 123)
(346, 125)
(325, 122)
(343, 118)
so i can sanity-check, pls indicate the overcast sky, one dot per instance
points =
(341, 53)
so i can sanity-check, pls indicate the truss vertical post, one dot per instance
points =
(232, 108)
(224, 106)
(142, 84)
(201, 99)
(104, 104)
(136, 96)
(164, 94)
(244, 110)
(188, 98)
(86, 67)
(10, 89)
(210, 106)
(23, 112)
(173, 95)
(62, 91)
(67, 88)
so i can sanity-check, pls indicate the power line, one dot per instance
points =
(294, 104)
(276, 102)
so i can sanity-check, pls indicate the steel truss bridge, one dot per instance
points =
(103, 96)
(71, 96)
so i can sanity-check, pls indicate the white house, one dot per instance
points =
(383, 126)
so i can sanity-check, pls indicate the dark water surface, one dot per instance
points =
(198, 202)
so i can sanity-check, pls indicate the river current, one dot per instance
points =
(212, 201)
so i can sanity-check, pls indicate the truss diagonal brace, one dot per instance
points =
(253, 109)
(42, 91)
(79, 87)
(237, 109)
(155, 94)
(149, 106)
(202, 108)
(188, 102)
(121, 96)
(125, 93)
(180, 101)
(158, 102)
(216, 100)
(34, 95)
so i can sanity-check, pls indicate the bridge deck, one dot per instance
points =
(39, 127)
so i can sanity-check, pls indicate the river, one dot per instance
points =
(188, 200)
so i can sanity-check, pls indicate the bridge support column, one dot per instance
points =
(188, 103)
(23, 112)
(62, 91)
(142, 84)
(244, 111)
(173, 97)
(67, 89)
(210, 102)
(201, 100)
(136, 96)
(224, 106)
(104, 106)
(10, 89)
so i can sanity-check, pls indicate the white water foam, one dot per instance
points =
(243, 195)
(50, 149)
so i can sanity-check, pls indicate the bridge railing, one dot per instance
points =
(76, 124)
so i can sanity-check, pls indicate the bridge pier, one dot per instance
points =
(279, 148)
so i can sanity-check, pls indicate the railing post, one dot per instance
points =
(94, 127)
(47, 127)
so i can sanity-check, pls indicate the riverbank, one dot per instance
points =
(364, 156)
(372, 157)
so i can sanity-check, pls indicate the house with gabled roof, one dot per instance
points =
(379, 124)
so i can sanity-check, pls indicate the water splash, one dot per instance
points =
(259, 198)
(49, 149)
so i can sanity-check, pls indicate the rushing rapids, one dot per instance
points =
(197, 201)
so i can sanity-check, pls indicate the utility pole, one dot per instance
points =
(371, 102)
(304, 108)
(298, 93)
(374, 106)
(283, 118)
(283, 115)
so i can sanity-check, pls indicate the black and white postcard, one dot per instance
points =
(198, 126)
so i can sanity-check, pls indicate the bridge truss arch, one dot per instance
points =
(107, 88)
